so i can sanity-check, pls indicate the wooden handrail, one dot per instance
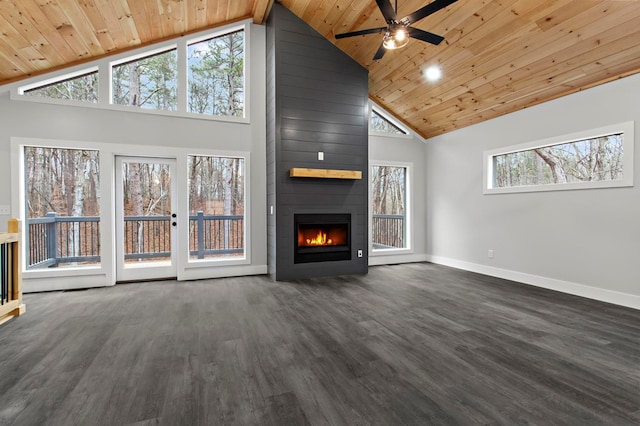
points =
(13, 307)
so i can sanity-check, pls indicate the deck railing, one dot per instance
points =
(10, 279)
(54, 240)
(388, 231)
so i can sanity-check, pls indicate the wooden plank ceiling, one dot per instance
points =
(498, 56)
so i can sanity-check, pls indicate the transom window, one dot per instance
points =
(598, 158)
(381, 124)
(83, 87)
(216, 75)
(149, 82)
(203, 76)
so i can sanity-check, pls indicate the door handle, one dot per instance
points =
(174, 223)
(173, 215)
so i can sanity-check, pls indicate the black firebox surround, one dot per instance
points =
(324, 253)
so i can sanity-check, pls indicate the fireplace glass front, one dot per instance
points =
(322, 237)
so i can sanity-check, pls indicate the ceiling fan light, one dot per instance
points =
(395, 39)
(400, 35)
(388, 42)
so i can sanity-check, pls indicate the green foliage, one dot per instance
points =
(216, 76)
(598, 159)
(82, 88)
(149, 82)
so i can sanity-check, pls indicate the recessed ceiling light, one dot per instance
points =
(433, 73)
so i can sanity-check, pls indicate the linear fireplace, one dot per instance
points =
(322, 237)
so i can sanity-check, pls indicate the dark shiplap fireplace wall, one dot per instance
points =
(317, 101)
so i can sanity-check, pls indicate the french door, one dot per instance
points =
(146, 220)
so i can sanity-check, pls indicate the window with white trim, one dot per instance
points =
(216, 207)
(591, 159)
(216, 75)
(381, 124)
(205, 75)
(147, 82)
(62, 204)
(389, 207)
(83, 87)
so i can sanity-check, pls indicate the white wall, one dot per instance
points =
(584, 242)
(405, 150)
(26, 119)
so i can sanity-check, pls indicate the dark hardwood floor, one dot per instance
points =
(415, 344)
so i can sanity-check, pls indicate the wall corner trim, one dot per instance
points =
(608, 296)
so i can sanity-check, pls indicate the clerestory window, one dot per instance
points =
(148, 82)
(592, 159)
(83, 88)
(381, 124)
(216, 75)
(205, 76)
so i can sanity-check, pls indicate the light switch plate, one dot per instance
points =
(5, 209)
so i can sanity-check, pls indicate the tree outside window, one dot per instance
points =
(216, 207)
(388, 207)
(81, 88)
(149, 82)
(62, 207)
(216, 76)
(588, 160)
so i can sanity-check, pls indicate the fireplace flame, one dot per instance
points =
(319, 240)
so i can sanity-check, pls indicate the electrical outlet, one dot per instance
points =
(359, 253)
(5, 209)
(490, 254)
(320, 156)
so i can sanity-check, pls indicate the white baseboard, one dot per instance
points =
(397, 258)
(603, 295)
(221, 272)
(36, 285)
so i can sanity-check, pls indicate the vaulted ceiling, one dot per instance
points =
(498, 56)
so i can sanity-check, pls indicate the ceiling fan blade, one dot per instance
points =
(425, 36)
(362, 32)
(427, 10)
(387, 10)
(380, 53)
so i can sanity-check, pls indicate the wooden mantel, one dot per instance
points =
(325, 173)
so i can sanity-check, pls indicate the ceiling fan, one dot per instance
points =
(398, 31)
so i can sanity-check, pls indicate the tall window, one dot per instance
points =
(216, 75)
(150, 82)
(77, 88)
(62, 205)
(389, 219)
(216, 207)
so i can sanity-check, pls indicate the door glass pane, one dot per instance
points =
(147, 213)
(216, 207)
(62, 189)
(388, 198)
